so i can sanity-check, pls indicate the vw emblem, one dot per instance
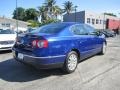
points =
(22, 41)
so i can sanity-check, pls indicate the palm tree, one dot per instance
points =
(57, 11)
(68, 7)
(49, 5)
(43, 12)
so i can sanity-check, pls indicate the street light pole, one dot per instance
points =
(17, 16)
(75, 12)
(103, 21)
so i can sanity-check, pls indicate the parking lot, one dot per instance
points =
(101, 72)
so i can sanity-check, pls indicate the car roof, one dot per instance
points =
(70, 23)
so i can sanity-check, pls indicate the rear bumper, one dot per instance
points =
(41, 62)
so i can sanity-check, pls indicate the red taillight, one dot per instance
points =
(40, 43)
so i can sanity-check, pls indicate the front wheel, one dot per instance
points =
(104, 47)
(71, 62)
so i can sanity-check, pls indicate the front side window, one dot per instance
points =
(79, 30)
(90, 29)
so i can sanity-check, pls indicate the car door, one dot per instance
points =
(83, 40)
(95, 39)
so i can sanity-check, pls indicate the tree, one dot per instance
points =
(49, 10)
(57, 11)
(110, 14)
(31, 14)
(68, 7)
(49, 4)
(43, 13)
(19, 14)
(33, 23)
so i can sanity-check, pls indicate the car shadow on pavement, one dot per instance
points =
(13, 71)
(6, 51)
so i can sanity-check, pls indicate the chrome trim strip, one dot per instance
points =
(2, 49)
(45, 57)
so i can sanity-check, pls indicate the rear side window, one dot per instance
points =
(79, 30)
(51, 28)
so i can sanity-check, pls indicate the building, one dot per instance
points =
(98, 21)
(6, 23)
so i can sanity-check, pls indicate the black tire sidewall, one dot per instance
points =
(66, 69)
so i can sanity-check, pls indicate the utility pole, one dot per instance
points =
(17, 16)
(75, 12)
(103, 21)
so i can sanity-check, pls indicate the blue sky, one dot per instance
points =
(99, 6)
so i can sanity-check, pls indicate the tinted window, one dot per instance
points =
(79, 30)
(6, 31)
(51, 28)
(90, 29)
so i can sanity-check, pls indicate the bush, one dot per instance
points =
(33, 23)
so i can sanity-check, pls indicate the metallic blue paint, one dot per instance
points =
(60, 44)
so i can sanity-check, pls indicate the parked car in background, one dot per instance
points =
(30, 30)
(108, 33)
(7, 39)
(59, 45)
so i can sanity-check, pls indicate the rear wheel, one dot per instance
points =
(71, 62)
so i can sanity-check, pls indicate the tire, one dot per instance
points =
(71, 62)
(103, 51)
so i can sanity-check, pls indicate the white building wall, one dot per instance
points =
(97, 17)
(82, 17)
(6, 23)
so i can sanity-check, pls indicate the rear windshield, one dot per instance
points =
(6, 31)
(51, 28)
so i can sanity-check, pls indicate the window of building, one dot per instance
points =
(97, 21)
(93, 21)
(104, 22)
(3, 24)
(7, 24)
(88, 20)
(100, 21)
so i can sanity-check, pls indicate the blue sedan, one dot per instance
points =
(59, 45)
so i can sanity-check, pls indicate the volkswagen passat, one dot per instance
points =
(59, 45)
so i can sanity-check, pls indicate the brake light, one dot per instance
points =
(40, 43)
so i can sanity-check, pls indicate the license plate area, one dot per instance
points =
(14, 54)
(20, 56)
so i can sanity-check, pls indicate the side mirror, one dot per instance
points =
(97, 33)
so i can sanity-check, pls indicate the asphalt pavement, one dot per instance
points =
(100, 72)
